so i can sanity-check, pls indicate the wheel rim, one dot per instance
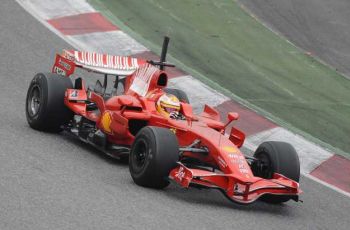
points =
(265, 167)
(34, 101)
(140, 155)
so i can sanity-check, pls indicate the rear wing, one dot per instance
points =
(99, 63)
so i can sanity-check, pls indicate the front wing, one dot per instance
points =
(235, 187)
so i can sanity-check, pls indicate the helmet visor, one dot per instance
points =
(170, 110)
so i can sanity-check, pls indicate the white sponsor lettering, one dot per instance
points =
(142, 79)
(104, 60)
(222, 162)
(59, 71)
(180, 174)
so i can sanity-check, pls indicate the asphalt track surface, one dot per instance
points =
(321, 27)
(50, 181)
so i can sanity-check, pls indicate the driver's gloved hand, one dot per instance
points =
(176, 115)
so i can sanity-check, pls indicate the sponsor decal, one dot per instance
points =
(64, 64)
(105, 60)
(59, 71)
(239, 188)
(68, 55)
(106, 122)
(240, 161)
(222, 162)
(244, 171)
(236, 157)
(142, 79)
(74, 94)
(235, 188)
(173, 130)
(230, 149)
(180, 174)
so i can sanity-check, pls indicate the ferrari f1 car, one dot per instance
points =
(155, 128)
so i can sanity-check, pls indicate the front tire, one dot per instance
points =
(277, 157)
(45, 108)
(153, 155)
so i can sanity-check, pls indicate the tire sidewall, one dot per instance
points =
(38, 81)
(52, 113)
(142, 136)
(161, 158)
(284, 160)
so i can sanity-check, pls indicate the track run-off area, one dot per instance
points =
(52, 182)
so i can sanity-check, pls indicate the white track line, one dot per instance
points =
(327, 185)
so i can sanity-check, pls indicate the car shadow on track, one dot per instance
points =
(210, 197)
(201, 197)
(91, 150)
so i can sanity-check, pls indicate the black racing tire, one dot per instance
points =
(181, 95)
(278, 157)
(45, 108)
(153, 155)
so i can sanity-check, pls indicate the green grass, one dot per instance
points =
(219, 40)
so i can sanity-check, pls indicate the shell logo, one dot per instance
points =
(230, 149)
(106, 122)
(173, 130)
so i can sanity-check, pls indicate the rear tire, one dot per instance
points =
(45, 108)
(181, 95)
(278, 157)
(153, 155)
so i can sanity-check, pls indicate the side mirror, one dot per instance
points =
(231, 116)
(186, 110)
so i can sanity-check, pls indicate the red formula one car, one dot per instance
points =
(154, 126)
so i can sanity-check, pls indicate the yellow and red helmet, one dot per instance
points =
(168, 104)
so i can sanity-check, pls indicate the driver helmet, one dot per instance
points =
(168, 105)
